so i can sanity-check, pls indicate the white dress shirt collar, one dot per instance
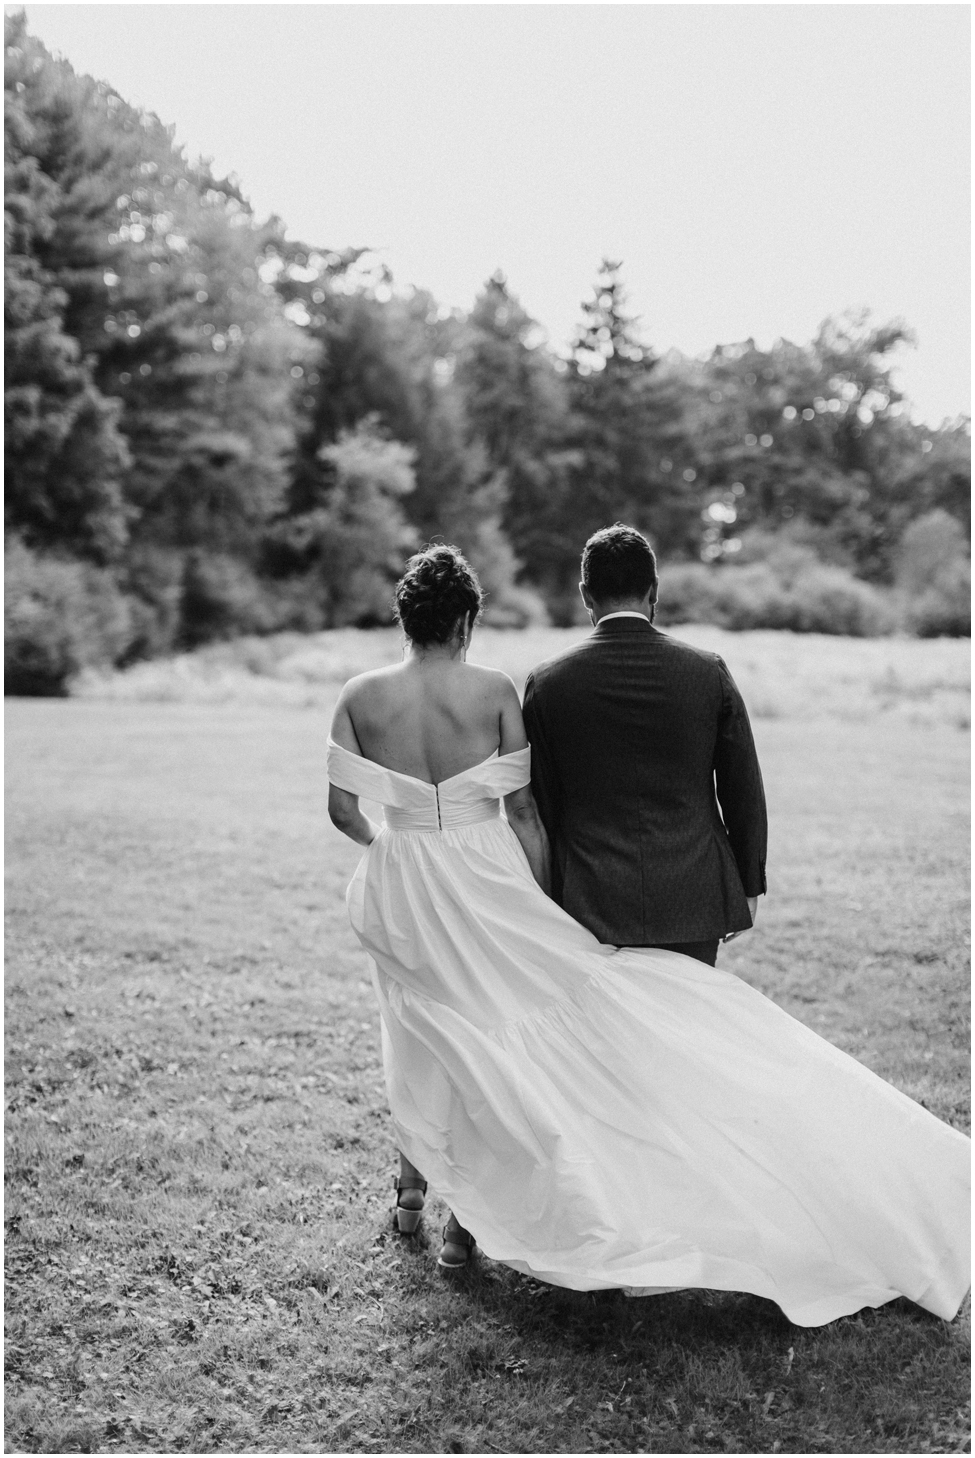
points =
(626, 614)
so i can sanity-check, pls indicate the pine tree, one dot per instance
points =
(631, 457)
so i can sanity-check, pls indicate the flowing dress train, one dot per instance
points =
(603, 1117)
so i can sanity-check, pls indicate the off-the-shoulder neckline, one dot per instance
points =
(512, 754)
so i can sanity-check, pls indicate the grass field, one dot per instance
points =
(200, 1254)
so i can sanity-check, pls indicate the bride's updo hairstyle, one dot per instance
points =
(438, 587)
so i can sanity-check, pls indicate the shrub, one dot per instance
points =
(797, 593)
(60, 617)
(687, 594)
(355, 544)
(785, 551)
(154, 584)
(750, 597)
(934, 578)
(928, 546)
(515, 606)
(944, 608)
(831, 600)
(507, 604)
(221, 598)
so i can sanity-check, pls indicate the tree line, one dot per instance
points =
(212, 429)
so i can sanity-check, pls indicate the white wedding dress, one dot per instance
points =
(604, 1117)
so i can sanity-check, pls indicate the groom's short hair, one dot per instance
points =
(618, 563)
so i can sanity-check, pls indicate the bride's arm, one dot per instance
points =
(343, 806)
(525, 821)
(520, 807)
(345, 815)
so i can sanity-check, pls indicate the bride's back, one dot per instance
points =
(429, 718)
(434, 715)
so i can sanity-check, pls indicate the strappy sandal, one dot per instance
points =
(407, 1220)
(456, 1250)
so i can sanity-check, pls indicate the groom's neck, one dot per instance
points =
(626, 605)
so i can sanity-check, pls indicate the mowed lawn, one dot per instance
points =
(199, 1162)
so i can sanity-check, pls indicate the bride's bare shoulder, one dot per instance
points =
(491, 680)
(363, 701)
(366, 683)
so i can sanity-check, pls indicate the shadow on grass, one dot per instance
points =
(688, 1371)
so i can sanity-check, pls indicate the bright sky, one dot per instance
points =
(756, 167)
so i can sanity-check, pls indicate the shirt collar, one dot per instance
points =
(607, 617)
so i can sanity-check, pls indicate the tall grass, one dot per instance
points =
(782, 675)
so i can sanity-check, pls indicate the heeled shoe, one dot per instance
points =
(407, 1220)
(456, 1249)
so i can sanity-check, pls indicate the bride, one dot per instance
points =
(598, 1116)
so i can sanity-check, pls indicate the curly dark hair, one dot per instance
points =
(618, 563)
(438, 587)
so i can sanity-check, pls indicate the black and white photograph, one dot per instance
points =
(488, 728)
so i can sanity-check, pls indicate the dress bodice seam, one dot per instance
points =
(429, 784)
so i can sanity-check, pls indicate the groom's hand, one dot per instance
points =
(753, 911)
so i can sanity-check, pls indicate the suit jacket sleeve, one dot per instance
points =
(544, 783)
(738, 782)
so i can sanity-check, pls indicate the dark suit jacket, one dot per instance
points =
(647, 781)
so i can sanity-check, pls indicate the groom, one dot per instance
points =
(644, 771)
